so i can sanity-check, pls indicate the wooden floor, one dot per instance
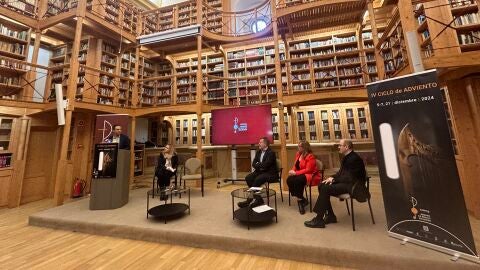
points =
(27, 247)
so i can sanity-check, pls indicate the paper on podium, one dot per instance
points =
(262, 208)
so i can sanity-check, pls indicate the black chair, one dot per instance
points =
(276, 180)
(321, 170)
(155, 190)
(361, 193)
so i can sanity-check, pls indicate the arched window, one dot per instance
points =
(258, 25)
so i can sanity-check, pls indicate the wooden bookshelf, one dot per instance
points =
(139, 154)
(330, 123)
(6, 128)
(14, 40)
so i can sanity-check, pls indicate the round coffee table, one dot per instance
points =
(169, 209)
(248, 214)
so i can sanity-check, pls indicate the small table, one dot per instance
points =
(247, 214)
(171, 209)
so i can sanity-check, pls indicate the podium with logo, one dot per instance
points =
(110, 181)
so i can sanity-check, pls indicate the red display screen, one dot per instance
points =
(243, 125)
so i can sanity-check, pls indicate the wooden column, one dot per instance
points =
(15, 191)
(407, 17)
(71, 89)
(473, 106)
(132, 151)
(199, 94)
(136, 76)
(278, 82)
(378, 57)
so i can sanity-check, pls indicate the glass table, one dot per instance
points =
(248, 214)
(169, 208)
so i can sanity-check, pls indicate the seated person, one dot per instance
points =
(166, 166)
(351, 170)
(304, 171)
(265, 165)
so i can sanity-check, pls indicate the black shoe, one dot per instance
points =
(257, 202)
(316, 222)
(245, 203)
(330, 219)
(304, 202)
(301, 207)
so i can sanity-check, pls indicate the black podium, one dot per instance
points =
(110, 182)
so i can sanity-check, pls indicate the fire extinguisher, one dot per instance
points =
(78, 188)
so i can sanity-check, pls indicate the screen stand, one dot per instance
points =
(234, 167)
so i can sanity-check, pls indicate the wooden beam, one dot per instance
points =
(20, 107)
(126, 35)
(30, 22)
(453, 61)
(314, 4)
(360, 94)
(52, 21)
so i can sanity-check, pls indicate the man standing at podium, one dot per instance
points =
(265, 165)
(117, 137)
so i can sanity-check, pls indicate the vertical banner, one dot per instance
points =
(104, 126)
(105, 160)
(421, 187)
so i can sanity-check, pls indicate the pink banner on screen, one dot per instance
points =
(243, 125)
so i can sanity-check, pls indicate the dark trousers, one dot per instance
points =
(257, 179)
(296, 184)
(323, 204)
(163, 176)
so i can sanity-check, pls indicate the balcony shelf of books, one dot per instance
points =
(164, 85)
(127, 76)
(392, 46)
(325, 62)
(25, 7)
(60, 69)
(329, 123)
(423, 31)
(107, 87)
(147, 92)
(370, 70)
(467, 23)
(254, 68)
(186, 78)
(14, 40)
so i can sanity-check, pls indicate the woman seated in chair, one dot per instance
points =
(166, 166)
(304, 172)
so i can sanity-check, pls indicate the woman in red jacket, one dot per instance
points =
(304, 171)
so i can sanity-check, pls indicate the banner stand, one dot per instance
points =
(455, 254)
(422, 193)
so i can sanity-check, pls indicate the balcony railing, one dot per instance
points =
(214, 19)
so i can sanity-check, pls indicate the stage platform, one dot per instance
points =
(210, 225)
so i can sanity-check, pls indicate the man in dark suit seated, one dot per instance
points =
(351, 170)
(117, 137)
(265, 165)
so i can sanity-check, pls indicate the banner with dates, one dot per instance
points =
(421, 187)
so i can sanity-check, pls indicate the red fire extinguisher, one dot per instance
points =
(78, 188)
